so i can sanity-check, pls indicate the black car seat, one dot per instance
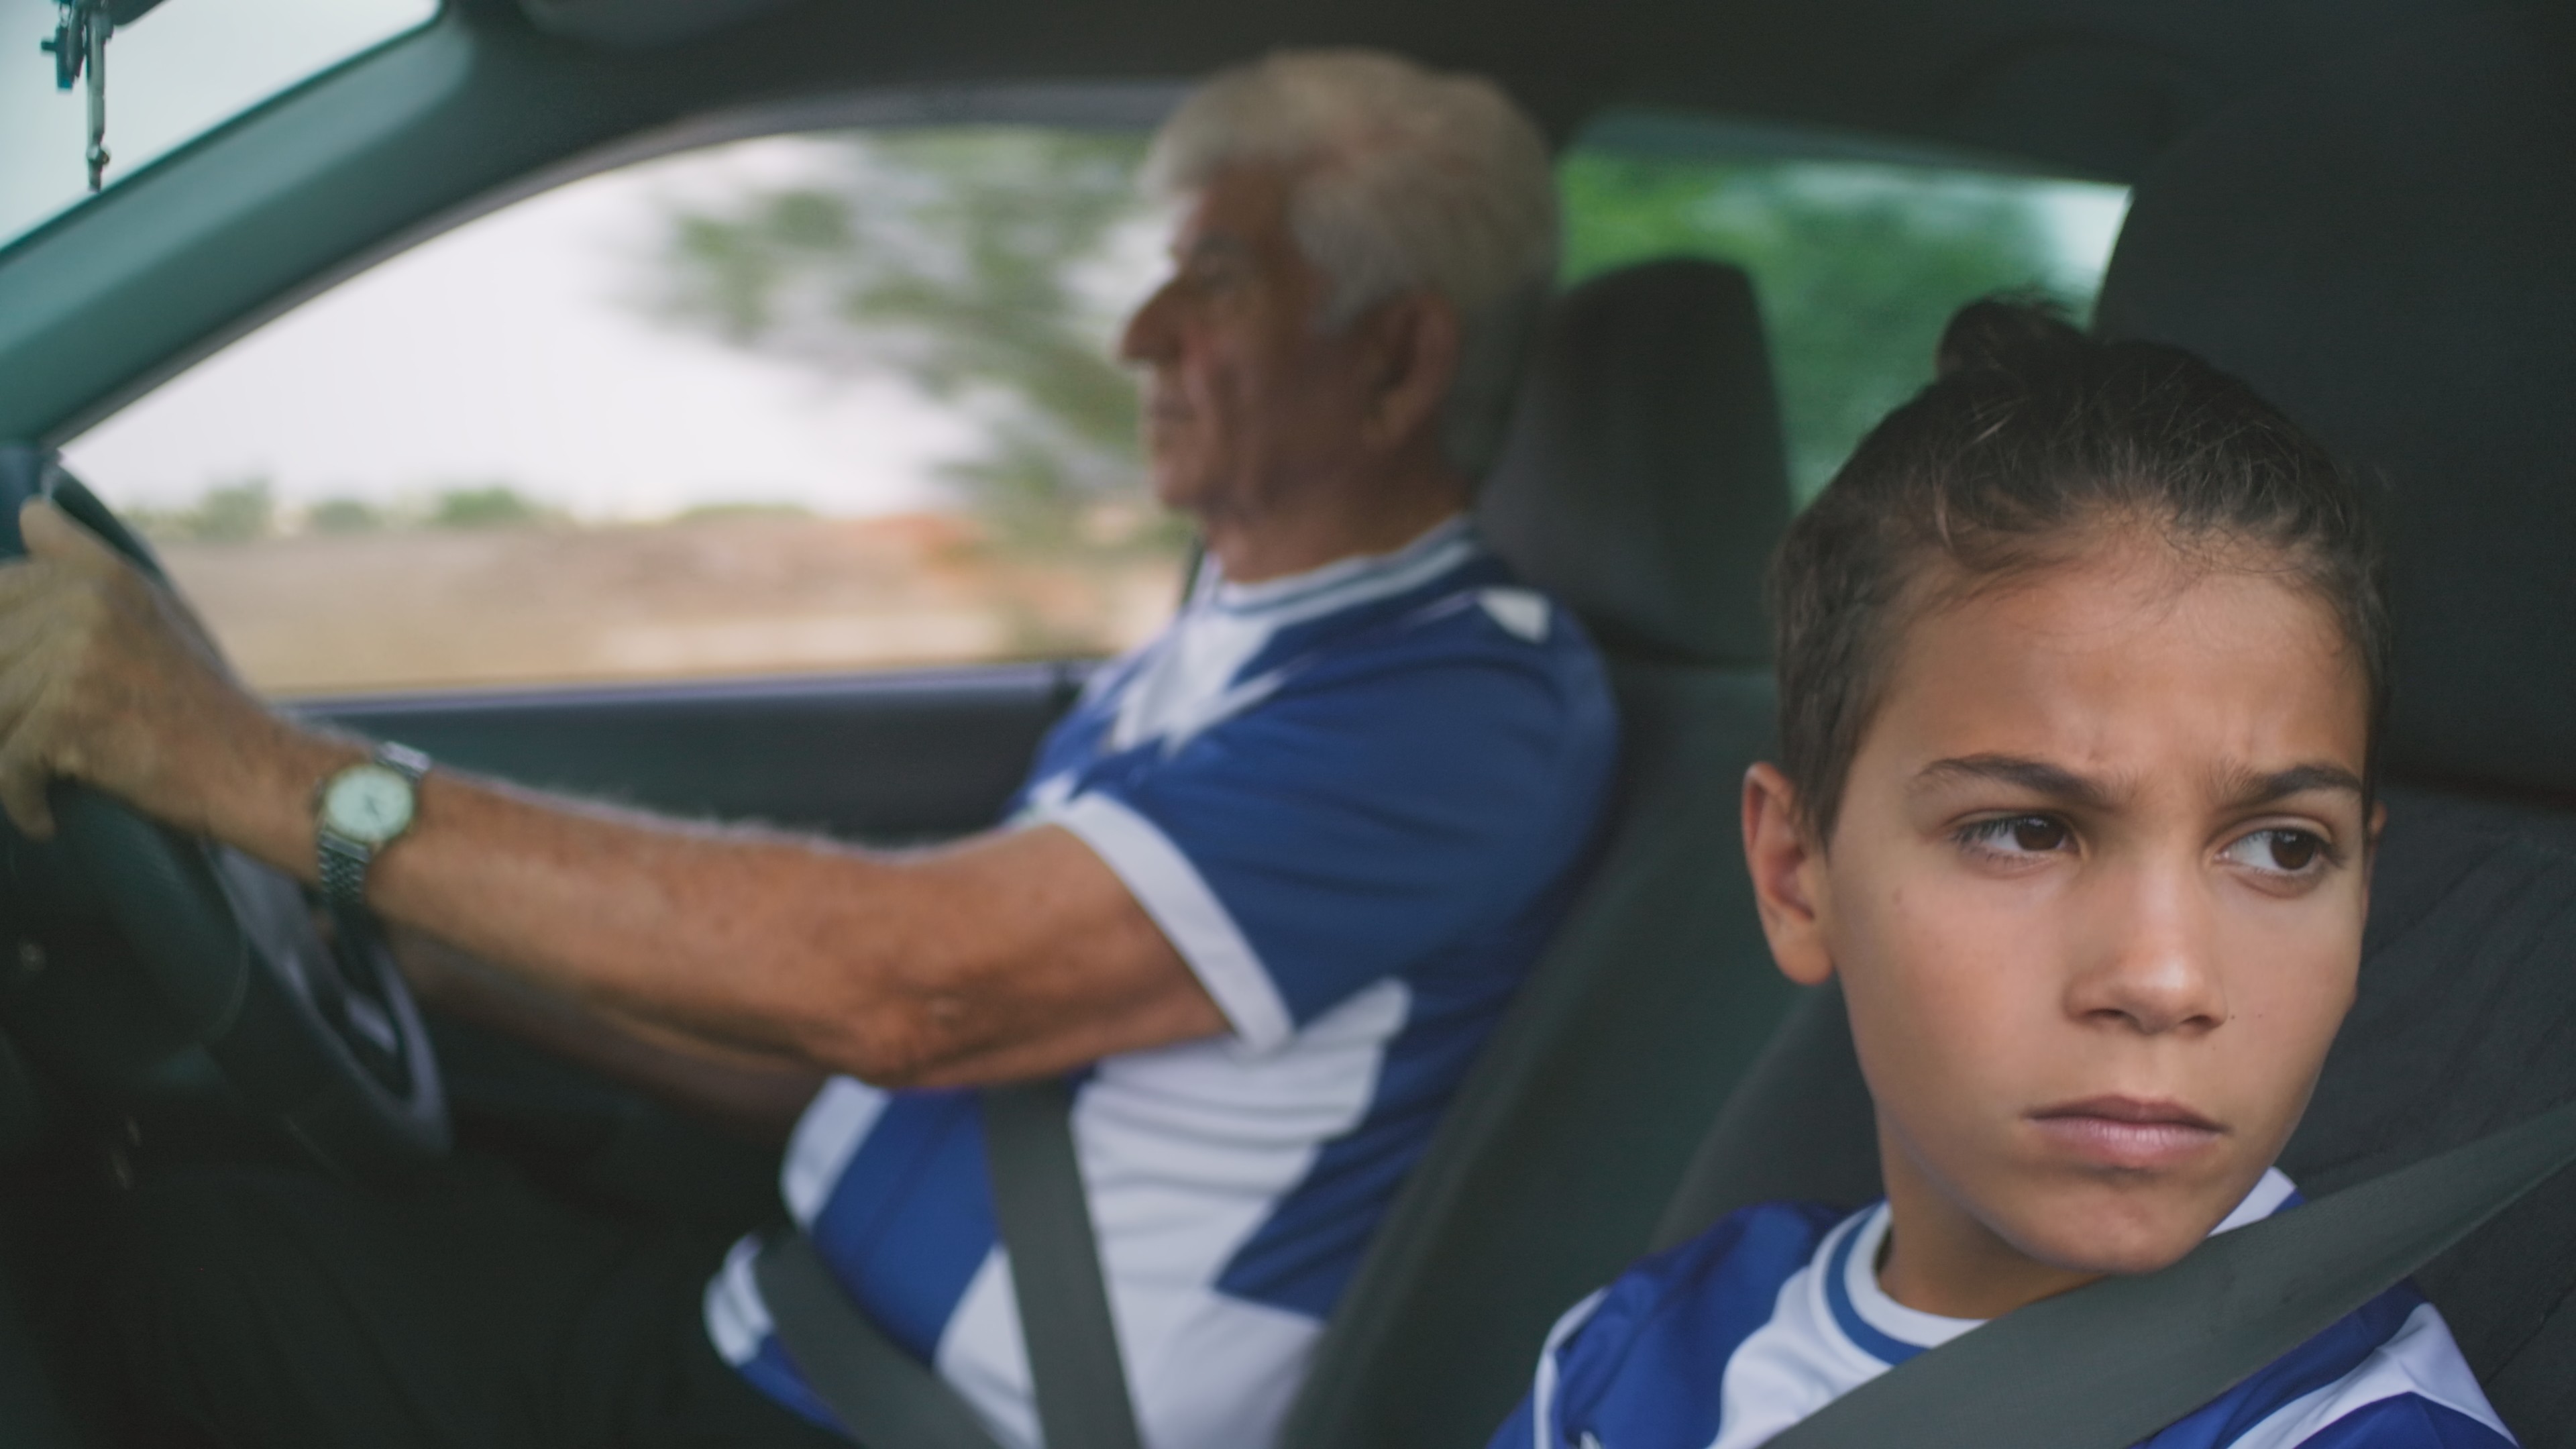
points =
(2384, 248)
(2389, 252)
(1643, 485)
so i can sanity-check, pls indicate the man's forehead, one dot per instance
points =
(1241, 207)
(1191, 242)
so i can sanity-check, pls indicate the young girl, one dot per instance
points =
(2081, 659)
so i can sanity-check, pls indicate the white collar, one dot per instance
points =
(1344, 582)
(1879, 1315)
(1916, 1330)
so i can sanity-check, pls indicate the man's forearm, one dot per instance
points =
(1007, 956)
(710, 932)
(757, 1097)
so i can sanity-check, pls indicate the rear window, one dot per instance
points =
(1857, 263)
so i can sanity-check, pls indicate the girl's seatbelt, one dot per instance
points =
(2111, 1363)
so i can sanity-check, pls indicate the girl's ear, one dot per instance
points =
(1788, 876)
(2372, 830)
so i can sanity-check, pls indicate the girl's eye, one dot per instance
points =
(2279, 851)
(2019, 835)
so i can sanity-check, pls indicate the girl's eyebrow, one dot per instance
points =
(2241, 787)
(2244, 788)
(2039, 777)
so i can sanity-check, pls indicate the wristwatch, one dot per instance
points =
(360, 810)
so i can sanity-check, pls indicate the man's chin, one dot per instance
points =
(1178, 489)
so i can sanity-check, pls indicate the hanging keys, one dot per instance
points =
(79, 46)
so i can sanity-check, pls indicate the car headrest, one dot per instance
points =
(2383, 249)
(1642, 482)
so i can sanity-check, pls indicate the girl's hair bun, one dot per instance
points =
(2034, 437)
(2026, 337)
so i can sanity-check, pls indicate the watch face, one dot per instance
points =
(367, 803)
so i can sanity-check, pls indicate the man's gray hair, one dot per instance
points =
(1402, 179)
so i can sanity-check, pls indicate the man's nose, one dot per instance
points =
(1148, 337)
(2153, 959)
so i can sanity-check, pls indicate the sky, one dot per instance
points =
(2087, 220)
(511, 351)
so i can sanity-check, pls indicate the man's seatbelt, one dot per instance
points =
(887, 1398)
(1045, 1218)
(884, 1396)
(2110, 1364)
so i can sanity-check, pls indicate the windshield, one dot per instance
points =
(179, 71)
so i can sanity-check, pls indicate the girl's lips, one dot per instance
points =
(2127, 1132)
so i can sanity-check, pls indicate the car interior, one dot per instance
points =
(2366, 214)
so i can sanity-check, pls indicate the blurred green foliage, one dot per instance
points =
(246, 511)
(1856, 266)
(961, 260)
(345, 515)
(489, 505)
(237, 512)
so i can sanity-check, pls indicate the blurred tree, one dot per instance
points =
(344, 515)
(491, 505)
(237, 512)
(965, 261)
(226, 513)
(1857, 267)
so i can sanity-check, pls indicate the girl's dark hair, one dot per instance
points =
(2032, 436)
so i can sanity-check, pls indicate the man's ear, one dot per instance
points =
(1410, 356)
(1788, 877)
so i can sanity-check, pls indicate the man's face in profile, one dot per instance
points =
(1246, 393)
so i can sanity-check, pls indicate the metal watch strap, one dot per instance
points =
(403, 760)
(342, 863)
(343, 870)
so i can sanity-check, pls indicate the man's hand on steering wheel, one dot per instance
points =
(107, 678)
(115, 711)
(1018, 953)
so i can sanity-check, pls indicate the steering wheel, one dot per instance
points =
(316, 1036)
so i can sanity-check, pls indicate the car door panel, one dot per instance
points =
(890, 758)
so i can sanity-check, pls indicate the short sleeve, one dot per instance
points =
(1353, 822)
(1644, 1360)
(1520, 1431)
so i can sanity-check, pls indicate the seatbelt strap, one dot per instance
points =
(2112, 1363)
(885, 1397)
(889, 1399)
(1045, 1218)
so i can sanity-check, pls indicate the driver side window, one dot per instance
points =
(808, 403)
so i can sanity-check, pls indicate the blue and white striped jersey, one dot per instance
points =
(1355, 801)
(1726, 1340)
